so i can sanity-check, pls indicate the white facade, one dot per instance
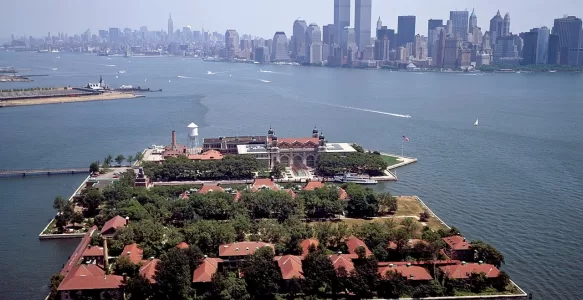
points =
(299, 40)
(314, 44)
(279, 47)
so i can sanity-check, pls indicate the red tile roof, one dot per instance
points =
(305, 244)
(182, 245)
(263, 183)
(342, 194)
(422, 263)
(312, 185)
(409, 272)
(148, 269)
(236, 196)
(353, 243)
(410, 243)
(113, 224)
(89, 277)
(241, 248)
(205, 271)
(133, 252)
(290, 266)
(462, 271)
(457, 242)
(78, 253)
(290, 192)
(93, 251)
(342, 260)
(298, 142)
(207, 155)
(210, 188)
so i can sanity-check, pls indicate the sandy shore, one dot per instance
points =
(39, 101)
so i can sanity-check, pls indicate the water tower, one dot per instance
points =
(192, 136)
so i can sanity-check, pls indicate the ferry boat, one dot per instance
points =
(354, 178)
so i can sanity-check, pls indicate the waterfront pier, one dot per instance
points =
(41, 172)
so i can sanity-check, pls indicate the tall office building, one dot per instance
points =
(433, 34)
(382, 43)
(362, 20)
(279, 47)
(529, 48)
(406, 30)
(328, 34)
(542, 51)
(496, 27)
(473, 20)
(449, 27)
(554, 49)
(379, 24)
(506, 25)
(170, 28)
(231, 43)
(349, 36)
(439, 52)
(313, 44)
(451, 53)
(420, 47)
(570, 41)
(341, 19)
(114, 35)
(505, 50)
(299, 40)
(459, 21)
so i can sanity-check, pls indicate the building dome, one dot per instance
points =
(315, 130)
(270, 131)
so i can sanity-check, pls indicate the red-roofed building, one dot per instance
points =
(408, 271)
(93, 254)
(233, 253)
(205, 271)
(464, 270)
(264, 184)
(148, 269)
(91, 277)
(342, 260)
(108, 230)
(354, 243)
(290, 192)
(210, 188)
(207, 155)
(182, 245)
(305, 244)
(134, 253)
(290, 267)
(312, 185)
(457, 247)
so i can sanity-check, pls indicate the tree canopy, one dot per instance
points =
(182, 169)
(330, 164)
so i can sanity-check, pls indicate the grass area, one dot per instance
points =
(407, 206)
(51, 227)
(390, 160)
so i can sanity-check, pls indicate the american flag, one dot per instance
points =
(406, 139)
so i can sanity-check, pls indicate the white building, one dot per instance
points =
(279, 47)
(314, 44)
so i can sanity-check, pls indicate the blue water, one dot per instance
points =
(515, 181)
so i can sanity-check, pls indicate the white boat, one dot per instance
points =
(121, 72)
(354, 178)
(476, 123)
(552, 71)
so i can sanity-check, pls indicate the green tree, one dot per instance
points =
(501, 282)
(227, 287)
(277, 171)
(94, 167)
(319, 272)
(363, 202)
(124, 266)
(358, 148)
(209, 235)
(364, 278)
(60, 203)
(410, 226)
(56, 280)
(387, 203)
(119, 159)
(261, 274)
(130, 159)
(108, 159)
(139, 156)
(91, 198)
(173, 277)
(139, 288)
(77, 218)
(488, 253)
(479, 282)
(392, 285)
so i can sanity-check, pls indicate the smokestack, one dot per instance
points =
(173, 138)
(105, 256)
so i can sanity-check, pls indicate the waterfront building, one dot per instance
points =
(328, 34)
(473, 21)
(569, 29)
(439, 52)
(279, 47)
(170, 28)
(433, 34)
(114, 35)
(382, 43)
(542, 52)
(496, 28)
(348, 36)
(362, 23)
(261, 54)
(505, 50)
(451, 52)
(519, 43)
(420, 47)
(406, 30)
(313, 37)
(554, 49)
(341, 19)
(299, 40)
(459, 21)
(530, 45)
(231, 43)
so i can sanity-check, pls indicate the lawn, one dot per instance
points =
(391, 160)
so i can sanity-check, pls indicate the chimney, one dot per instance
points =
(105, 256)
(173, 138)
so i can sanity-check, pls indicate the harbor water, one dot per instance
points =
(515, 181)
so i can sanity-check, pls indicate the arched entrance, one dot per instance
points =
(311, 161)
(298, 160)
(284, 161)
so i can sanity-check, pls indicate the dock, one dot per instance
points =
(42, 172)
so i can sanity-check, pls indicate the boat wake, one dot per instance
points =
(210, 73)
(110, 65)
(265, 71)
(185, 77)
(263, 80)
(364, 109)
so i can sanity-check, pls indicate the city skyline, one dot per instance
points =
(246, 18)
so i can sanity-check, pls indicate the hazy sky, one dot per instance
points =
(257, 17)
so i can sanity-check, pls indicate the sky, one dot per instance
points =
(256, 17)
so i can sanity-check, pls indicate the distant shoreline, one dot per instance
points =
(56, 100)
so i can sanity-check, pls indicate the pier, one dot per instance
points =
(41, 172)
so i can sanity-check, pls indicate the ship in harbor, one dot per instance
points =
(354, 178)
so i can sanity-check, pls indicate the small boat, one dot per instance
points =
(121, 72)
(553, 71)
(476, 123)
(354, 178)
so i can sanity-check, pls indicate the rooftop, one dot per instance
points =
(148, 269)
(237, 139)
(207, 155)
(354, 243)
(339, 147)
(264, 183)
(205, 271)
(290, 266)
(113, 224)
(457, 242)
(408, 271)
(305, 244)
(241, 248)
(182, 245)
(342, 260)
(93, 251)
(89, 277)
(464, 271)
(134, 253)
(210, 188)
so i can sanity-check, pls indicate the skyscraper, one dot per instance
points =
(379, 23)
(505, 50)
(170, 28)
(459, 21)
(406, 30)
(434, 23)
(382, 43)
(569, 31)
(113, 35)
(554, 49)
(279, 47)
(349, 36)
(231, 43)
(496, 27)
(328, 34)
(529, 48)
(420, 47)
(473, 21)
(341, 19)
(299, 40)
(542, 52)
(313, 44)
(506, 25)
(362, 20)
(433, 34)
